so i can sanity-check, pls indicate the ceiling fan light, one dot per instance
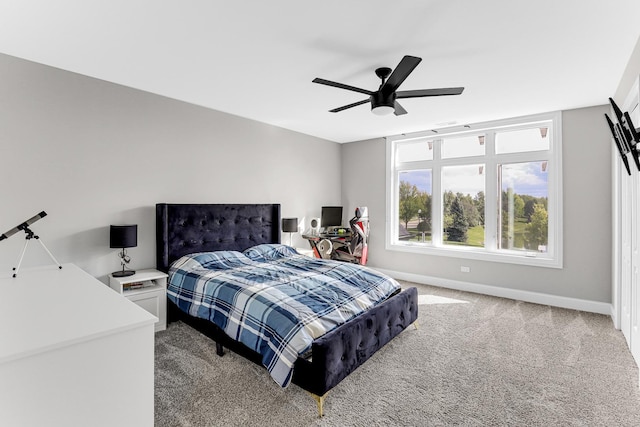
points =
(382, 110)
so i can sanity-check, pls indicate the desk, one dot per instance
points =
(336, 240)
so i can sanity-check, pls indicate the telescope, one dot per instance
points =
(24, 226)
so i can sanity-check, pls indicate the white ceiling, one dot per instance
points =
(256, 59)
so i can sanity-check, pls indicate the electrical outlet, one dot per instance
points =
(465, 269)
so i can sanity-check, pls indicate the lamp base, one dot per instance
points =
(124, 273)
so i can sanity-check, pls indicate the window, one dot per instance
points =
(462, 191)
(488, 191)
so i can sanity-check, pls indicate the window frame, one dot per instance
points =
(490, 252)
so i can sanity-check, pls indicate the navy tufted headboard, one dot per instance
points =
(188, 228)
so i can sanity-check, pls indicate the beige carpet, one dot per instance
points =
(475, 360)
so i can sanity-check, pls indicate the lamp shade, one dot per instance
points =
(123, 236)
(290, 225)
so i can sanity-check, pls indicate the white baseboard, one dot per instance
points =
(527, 296)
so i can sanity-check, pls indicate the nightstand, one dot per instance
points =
(147, 289)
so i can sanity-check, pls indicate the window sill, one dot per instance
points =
(535, 260)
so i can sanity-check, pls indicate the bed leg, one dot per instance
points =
(320, 402)
(219, 349)
(415, 324)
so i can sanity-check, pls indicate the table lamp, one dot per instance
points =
(122, 237)
(290, 225)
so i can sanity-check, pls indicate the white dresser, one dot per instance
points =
(73, 352)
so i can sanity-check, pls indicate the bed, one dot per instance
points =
(184, 229)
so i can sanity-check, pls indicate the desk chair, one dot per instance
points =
(356, 250)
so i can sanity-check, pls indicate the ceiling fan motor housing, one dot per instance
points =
(381, 99)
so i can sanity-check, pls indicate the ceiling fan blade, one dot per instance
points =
(399, 111)
(355, 104)
(402, 71)
(429, 92)
(341, 86)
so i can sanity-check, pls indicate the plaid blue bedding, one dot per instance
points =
(274, 300)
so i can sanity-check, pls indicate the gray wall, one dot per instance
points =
(587, 217)
(91, 154)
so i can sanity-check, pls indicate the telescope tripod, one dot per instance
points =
(31, 235)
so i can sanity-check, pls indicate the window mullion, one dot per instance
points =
(436, 199)
(408, 166)
(491, 201)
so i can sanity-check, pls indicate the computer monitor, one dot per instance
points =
(331, 217)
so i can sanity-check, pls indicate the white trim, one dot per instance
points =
(614, 317)
(513, 122)
(467, 252)
(496, 291)
(616, 245)
(618, 175)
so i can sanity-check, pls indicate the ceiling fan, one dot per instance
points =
(384, 100)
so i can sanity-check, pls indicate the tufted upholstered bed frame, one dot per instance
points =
(188, 228)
